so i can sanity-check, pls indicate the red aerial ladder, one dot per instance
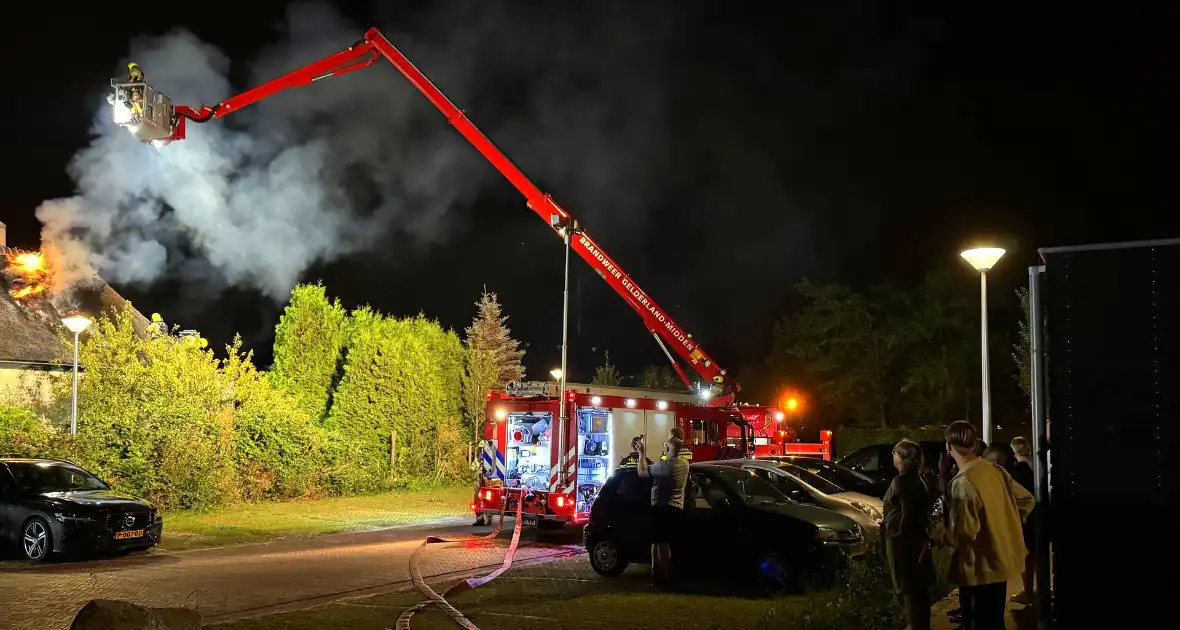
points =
(152, 118)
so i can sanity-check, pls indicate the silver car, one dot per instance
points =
(806, 487)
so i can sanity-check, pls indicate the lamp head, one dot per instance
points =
(76, 323)
(983, 258)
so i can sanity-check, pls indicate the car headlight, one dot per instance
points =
(71, 518)
(868, 510)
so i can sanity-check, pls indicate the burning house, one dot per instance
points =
(32, 347)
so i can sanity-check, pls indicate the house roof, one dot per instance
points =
(31, 331)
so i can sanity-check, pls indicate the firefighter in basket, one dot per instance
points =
(135, 75)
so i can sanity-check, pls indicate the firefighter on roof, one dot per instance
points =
(135, 75)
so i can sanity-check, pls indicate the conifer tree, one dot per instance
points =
(493, 359)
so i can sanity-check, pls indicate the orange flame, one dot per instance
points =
(30, 272)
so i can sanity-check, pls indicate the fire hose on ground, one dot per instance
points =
(433, 597)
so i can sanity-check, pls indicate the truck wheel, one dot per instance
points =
(606, 558)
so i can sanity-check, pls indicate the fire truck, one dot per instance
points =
(152, 117)
(528, 454)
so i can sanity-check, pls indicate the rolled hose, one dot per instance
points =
(403, 620)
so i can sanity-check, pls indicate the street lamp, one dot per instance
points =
(983, 259)
(566, 231)
(556, 373)
(76, 324)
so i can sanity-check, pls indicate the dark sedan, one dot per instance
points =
(49, 507)
(732, 520)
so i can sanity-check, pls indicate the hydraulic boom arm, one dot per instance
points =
(362, 55)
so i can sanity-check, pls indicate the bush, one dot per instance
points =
(866, 600)
(23, 434)
(163, 418)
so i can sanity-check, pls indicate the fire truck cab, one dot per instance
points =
(528, 455)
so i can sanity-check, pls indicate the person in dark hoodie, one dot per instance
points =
(906, 532)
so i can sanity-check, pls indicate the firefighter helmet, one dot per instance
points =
(132, 66)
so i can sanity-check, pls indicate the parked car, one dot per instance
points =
(805, 487)
(733, 521)
(877, 460)
(844, 477)
(49, 507)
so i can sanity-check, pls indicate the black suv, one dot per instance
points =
(732, 520)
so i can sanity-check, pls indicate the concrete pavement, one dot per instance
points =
(227, 582)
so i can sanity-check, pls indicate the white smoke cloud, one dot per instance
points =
(311, 175)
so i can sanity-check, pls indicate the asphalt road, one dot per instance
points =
(243, 580)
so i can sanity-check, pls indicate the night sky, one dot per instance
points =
(718, 151)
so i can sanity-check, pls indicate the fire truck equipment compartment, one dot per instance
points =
(529, 450)
(594, 461)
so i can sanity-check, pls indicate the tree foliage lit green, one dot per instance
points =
(308, 349)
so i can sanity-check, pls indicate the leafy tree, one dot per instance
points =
(658, 377)
(845, 344)
(936, 325)
(309, 341)
(493, 359)
(1022, 349)
(607, 375)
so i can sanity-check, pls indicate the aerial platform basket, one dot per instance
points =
(141, 109)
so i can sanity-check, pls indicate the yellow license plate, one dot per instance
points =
(131, 533)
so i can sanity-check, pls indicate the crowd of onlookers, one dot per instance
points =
(978, 507)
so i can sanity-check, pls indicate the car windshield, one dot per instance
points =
(844, 477)
(752, 488)
(54, 477)
(811, 479)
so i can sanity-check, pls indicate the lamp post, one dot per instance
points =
(567, 231)
(983, 259)
(76, 324)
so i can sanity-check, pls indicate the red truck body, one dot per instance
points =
(521, 450)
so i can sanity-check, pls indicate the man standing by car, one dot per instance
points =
(985, 509)
(669, 477)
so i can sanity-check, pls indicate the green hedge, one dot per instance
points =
(163, 418)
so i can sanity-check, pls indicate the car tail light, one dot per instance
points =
(560, 501)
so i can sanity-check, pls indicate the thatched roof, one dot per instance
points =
(31, 330)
